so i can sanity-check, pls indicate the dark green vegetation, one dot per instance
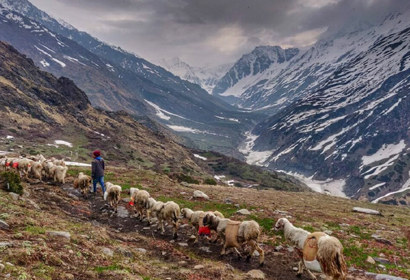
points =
(10, 182)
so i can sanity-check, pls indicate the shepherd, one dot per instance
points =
(97, 171)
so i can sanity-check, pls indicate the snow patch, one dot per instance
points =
(72, 163)
(44, 63)
(62, 142)
(161, 112)
(386, 151)
(59, 62)
(377, 186)
(200, 157)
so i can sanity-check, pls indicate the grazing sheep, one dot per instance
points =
(36, 170)
(48, 168)
(113, 194)
(152, 206)
(170, 213)
(236, 234)
(133, 198)
(60, 173)
(140, 201)
(319, 251)
(58, 162)
(83, 182)
(196, 219)
(22, 166)
(3, 162)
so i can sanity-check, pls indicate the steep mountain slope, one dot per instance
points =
(118, 80)
(206, 77)
(40, 108)
(282, 84)
(355, 127)
(250, 69)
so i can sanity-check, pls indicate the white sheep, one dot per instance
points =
(236, 234)
(22, 166)
(113, 194)
(83, 182)
(319, 251)
(152, 206)
(140, 200)
(196, 219)
(59, 173)
(58, 162)
(170, 213)
(36, 170)
(48, 169)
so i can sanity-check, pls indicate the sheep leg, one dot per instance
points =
(162, 227)
(149, 216)
(223, 252)
(301, 267)
(175, 226)
(238, 253)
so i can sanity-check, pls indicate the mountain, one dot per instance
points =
(206, 77)
(118, 80)
(37, 108)
(249, 71)
(350, 134)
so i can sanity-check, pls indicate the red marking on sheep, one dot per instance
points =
(204, 231)
(15, 164)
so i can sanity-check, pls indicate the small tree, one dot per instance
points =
(10, 182)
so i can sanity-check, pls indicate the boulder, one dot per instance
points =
(108, 252)
(243, 212)
(370, 260)
(199, 266)
(255, 274)
(199, 194)
(366, 211)
(4, 225)
(59, 234)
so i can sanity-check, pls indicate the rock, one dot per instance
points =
(256, 254)
(205, 249)
(91, 274)
(388, 277)
(14, 196)
(381, 260)
(62, 234)
(344, 225)
(4, 225)
(279, 248)
(366, 211)
(34, 204)
(199, 266)
(146, 228)
(381, 240)
(199, 194)
(125, 252)
(237, 206)
(183, 244)
(138, 269)
(182, 262)
(229, 267)
(184, 226)
(6, 244)
(255, 274)
(182, 193)
(108, 252)
(328, 232)
(381, 266)
(243, 212)
(277, 254)
(141, 250)
(69, 276)
(2, 266)
(192, 237)
(228, 201)
(291, 249)
(370, 260)
(9, 264)
(295, 269)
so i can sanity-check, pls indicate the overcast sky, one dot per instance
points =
(212, 32)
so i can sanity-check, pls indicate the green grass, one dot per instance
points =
(34, 230)
(265, 223)
(309, 228)
(112, 267)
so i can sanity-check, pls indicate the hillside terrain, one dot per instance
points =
(118, 80)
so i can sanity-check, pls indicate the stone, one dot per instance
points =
(199, 266)
(366, 211)
(243, 212)
(146, 228)
(184, 226)
(59, 234)
(277, 254)
(182, 262)
(6, 244)
(2, 266)
(125, 252)
(138, 269)
(91, 274)
(388, 277)
(328, 232)
(192, 237)
(370, 260)
(108, 252)
(205, 249)
(256, 254)
(228, 201)
(255, 274)
(199, 194)
(381, 260)
(4, 225)
(229, 267)
(237, 206)
(14, 196)
(141, 250)
(182, 244)
(279, 248)
(381, 266)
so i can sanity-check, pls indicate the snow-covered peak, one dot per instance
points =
(65, 24)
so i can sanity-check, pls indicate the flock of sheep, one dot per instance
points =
(37, 167)
(318, 251)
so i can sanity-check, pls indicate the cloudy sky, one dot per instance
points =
(212, 32)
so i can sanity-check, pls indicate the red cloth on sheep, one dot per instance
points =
(204, 231)
(15, 164)
(97, 153)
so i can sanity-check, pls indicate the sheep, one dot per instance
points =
(48, 169)
(113, 194)
(140, 200)
(83, 182)
(196, 218)
(59, 174)
(319, 251)
(3, 162)
(36, 170)
(22, 166)
(236, 234)
(58, 162)
(170, 213)
(133, 198)
(152, 206)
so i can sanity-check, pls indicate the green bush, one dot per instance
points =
(210, 181)
(10, 181)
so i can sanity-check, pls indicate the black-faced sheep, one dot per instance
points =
(319, 251)
(113, 194)
(82, 182)
(196, 218)
(236, 234)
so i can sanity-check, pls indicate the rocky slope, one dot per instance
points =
(118, 80)
(206, 77)
(354, 127)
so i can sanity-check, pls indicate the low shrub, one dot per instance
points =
(10, 182)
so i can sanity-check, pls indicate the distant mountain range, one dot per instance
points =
(118, 80)
(206, 77)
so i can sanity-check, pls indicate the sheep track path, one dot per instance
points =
(278, 265)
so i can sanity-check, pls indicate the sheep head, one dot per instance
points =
(280, 224)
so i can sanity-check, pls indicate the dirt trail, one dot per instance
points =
(278, 265)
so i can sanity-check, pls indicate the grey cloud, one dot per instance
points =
(195, 30)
